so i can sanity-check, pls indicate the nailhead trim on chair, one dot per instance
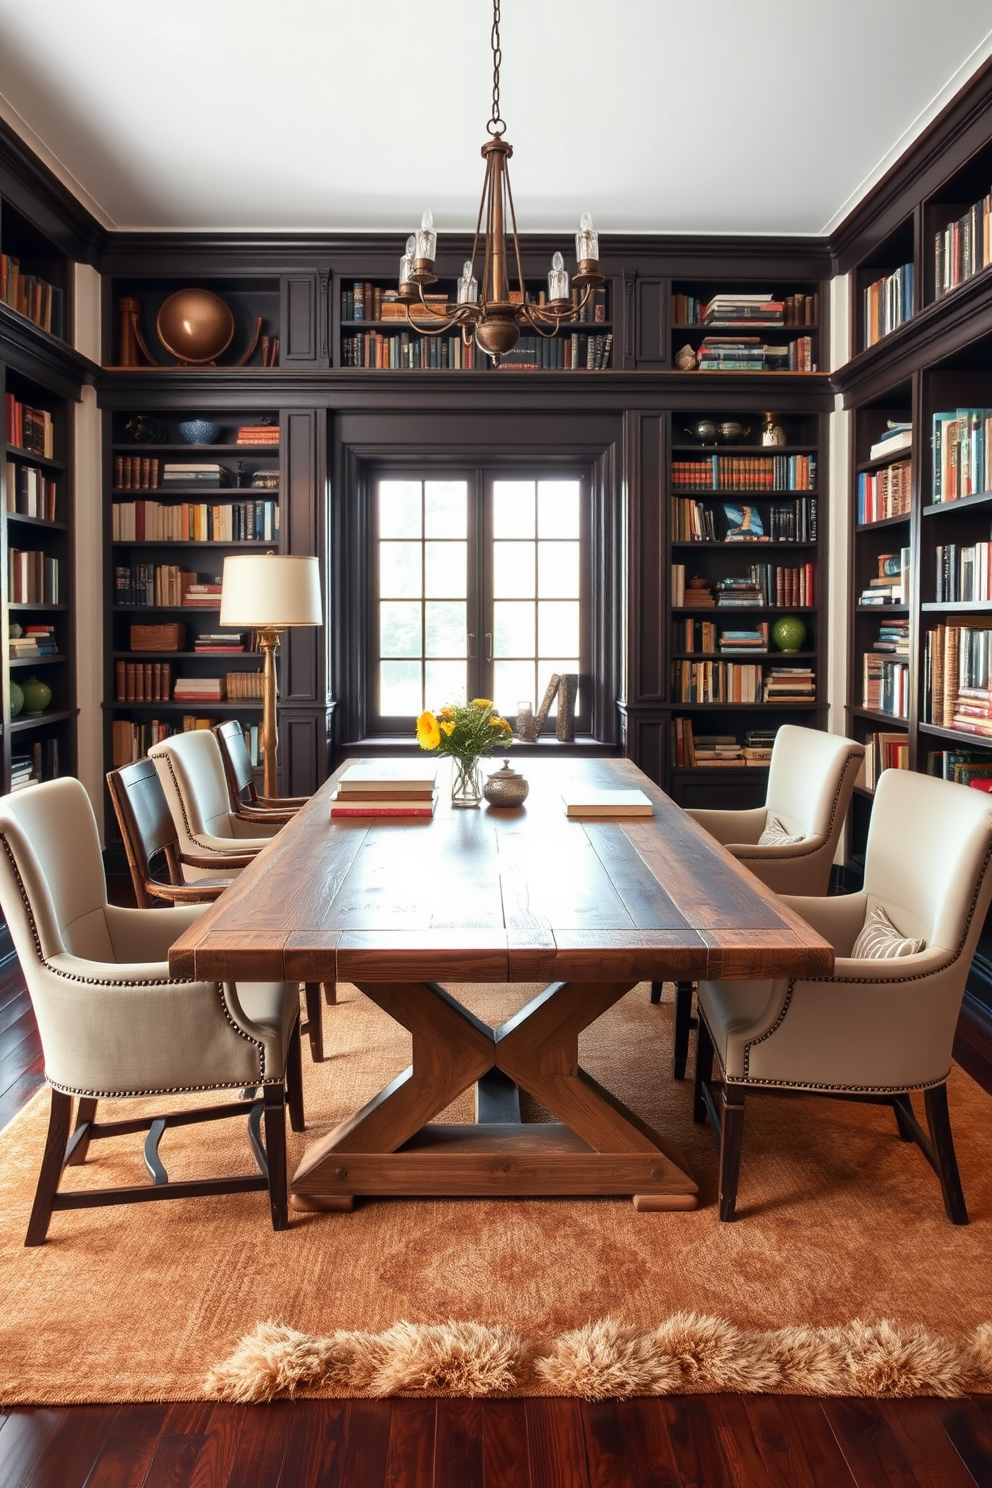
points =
(156, 982)
(859, 982)
(809, 851)
(205, 846)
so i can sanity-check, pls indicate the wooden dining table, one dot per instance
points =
(588, 907)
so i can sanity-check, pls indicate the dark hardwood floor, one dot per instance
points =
(695, 1441)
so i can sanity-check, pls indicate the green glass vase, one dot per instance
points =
(16, 700)
(788, 633)
(37, 696)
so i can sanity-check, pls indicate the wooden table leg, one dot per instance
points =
(597, 1146)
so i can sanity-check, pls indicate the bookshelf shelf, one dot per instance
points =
(780, 656)
(18, 452)
(963, 503)
(750, 449)
(38, 606)
(43, 720)
(899, 521)
(22, 662)
(199, 706)
(724, 612)
(957, 606)
(154, 542)
(956, 736)
(873, 716)
(748, 547)
(246, 451)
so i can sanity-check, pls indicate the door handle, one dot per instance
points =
(489, 645)
(471, 645)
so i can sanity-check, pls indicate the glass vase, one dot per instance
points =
(466, 786)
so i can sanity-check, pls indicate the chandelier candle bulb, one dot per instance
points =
(406, 262)
(427, 240)
(558, 279)
(468, 286)
(587, 241)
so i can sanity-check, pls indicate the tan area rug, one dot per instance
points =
(840, 1227)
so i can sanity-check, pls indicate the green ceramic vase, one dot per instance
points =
(16, 700)
(37, 696)
(788, 633)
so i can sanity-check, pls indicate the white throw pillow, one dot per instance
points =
(775, 835)
(881, 941)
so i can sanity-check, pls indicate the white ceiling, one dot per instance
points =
(658, 115)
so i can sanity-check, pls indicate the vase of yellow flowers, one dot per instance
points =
(465, 733)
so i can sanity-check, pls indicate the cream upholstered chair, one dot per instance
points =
(191, 770)
(878, 1028)
(245, 800)
(810, 784)
(115, 1025)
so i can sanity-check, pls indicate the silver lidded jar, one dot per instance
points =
(506, 787)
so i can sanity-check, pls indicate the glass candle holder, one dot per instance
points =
(587, 240)
(406, 262)
(558, 279)
(427, 237)
(468, 286)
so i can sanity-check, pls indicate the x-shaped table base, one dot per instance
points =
(596, 1146)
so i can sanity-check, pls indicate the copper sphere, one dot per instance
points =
(497, 336)
(195, 325)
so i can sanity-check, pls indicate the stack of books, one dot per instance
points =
(893, 637)
(37, 640)
(782, 684)
(896, 437)
(742, 641)
(891, 585)
(200, 690)
(744, 593)
(221, 640)
(721, 751)
(206, 596)
(22, 772)
(210, 477)
(387, 788)
(746, 354)
(258, 434)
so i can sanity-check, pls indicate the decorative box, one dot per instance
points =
(158, 637)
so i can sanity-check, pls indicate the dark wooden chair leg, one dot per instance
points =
(275, 1154)
(315, 1021)
(330, 993)
(656, 991)
(939, 1123)
(704, 1071)
(51, 1168)
(85, 1116)
(294, 1080)
(731, 1136)
(903, 1108)
(683, 1024)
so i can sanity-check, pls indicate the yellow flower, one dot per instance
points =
(447, 729)
(497, 722)
(446, 713)
(482, 703)
(428, 733)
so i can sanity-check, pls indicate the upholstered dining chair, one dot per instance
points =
(191, 770)
(245, 800)
(150, 844)
(115, 1025)
(789, 842)
(883, 1024)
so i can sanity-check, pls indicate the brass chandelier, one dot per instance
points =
(495, 318)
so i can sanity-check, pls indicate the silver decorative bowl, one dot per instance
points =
(506, 787)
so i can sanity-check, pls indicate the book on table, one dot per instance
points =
(387, 788)
(582, 801)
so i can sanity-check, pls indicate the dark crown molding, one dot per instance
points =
(37, 192)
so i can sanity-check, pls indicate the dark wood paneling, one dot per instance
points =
(301, 752)
(651, 310)
(645, 453)
(303, 519)
(299, 322)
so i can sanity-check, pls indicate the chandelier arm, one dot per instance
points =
(459, 315)
(533, 314)
(482, 205)
(486, 296)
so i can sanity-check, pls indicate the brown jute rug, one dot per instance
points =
(841, 1275)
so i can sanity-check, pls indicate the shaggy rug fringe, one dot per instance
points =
(686, 1354)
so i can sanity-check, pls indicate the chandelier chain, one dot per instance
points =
(496, 126)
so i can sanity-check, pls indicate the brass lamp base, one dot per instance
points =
(268, 639)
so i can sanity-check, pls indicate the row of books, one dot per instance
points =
(37, 640)
(746, 309)
(41, 763)
(703, 636)
(888, 303)
(29, 428)
(152, 682)
(721, 751)
(957, 674)
(386, 788)
(131, 739)
(885, 493)
(141, 682)
(960, 765)
(232, 521)
(893, 637)
(566, 353)
(31, 296)
(700, 521)
(163, 584)
(33, 577)
(891, 584)
(29, 492)
(137, 472)
(765, 586)
(886, 749)
(962, 453)
(963, 247)
(750, 354)
(963, 573)
(747, 473)
(885, 685)
(740, 682)
(407, 351)
(244, 686)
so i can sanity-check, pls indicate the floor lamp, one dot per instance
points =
(270, 593)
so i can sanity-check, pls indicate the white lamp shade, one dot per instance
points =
(274, 589)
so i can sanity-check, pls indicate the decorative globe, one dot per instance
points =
(37, 696)
(195, 325)
(788, 633)
(16, 699)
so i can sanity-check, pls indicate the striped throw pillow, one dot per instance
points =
(881, 941)
(775, 835)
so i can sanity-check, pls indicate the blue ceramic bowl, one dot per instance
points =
(199, 431)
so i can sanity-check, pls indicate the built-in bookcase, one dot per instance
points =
(793, 345)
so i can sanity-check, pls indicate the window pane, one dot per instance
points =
(558, 627)
(444, 623)
(445, 509)
(400, 690)
(513, 628)
(513, 508)
(445, 683)
(513, 683)
(558, 570)
(445, 567)
(399, 629)
(558, 508)
(513, 570)
(399, 508)
(399, 570)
